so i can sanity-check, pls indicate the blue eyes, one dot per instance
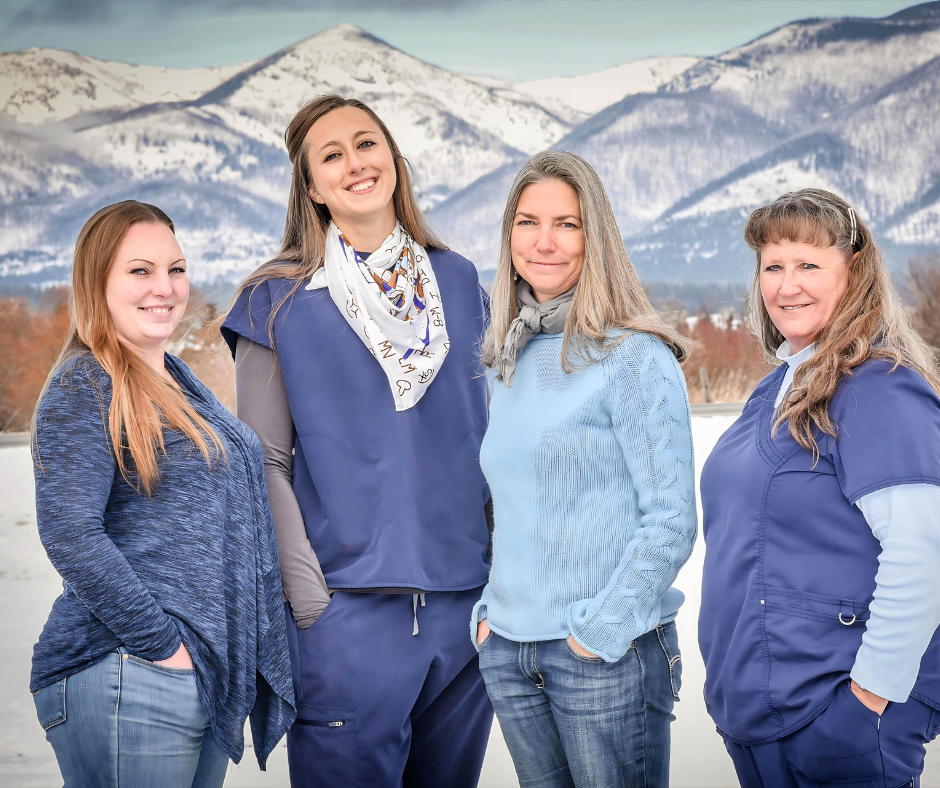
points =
(145, 272)
(364, 145)
(566, 225)
(805, 266)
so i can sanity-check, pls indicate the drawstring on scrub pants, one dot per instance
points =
(414, 600)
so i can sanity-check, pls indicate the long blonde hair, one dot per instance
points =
(304, 244)
(870, 321)
(142, 402)
(608, 294)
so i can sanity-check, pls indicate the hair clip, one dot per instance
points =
(854, 227)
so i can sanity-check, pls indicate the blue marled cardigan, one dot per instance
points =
(195, 562)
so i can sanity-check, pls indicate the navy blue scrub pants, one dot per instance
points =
(381, 707)
(847, 745)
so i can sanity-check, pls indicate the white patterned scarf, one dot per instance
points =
(394, 305)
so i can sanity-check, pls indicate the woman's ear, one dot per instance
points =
(312, 191)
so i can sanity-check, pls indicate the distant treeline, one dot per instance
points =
(726, 362)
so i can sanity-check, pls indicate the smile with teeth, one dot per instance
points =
(158, 310)
(361, 187)
(795, 306)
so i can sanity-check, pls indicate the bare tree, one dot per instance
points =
(924, 294)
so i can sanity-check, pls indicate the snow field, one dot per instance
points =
(29, 584)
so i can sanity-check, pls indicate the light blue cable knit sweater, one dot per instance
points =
(592, 480)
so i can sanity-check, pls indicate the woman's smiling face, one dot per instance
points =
(801, 286)
(547, 240)
(146, 287)
(351, 166)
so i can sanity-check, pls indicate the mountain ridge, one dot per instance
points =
(685, 152)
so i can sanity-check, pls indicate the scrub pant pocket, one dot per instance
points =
(323, 740)
(847, 745)
(840, 746)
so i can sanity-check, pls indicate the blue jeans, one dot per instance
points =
(124, 722)
(572, 721)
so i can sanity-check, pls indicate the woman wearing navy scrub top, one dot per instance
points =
(821, 589)
(357, 366)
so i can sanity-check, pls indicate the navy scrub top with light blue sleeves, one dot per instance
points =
(790, 561)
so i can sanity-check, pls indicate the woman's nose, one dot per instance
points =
(354, 161)
(546, 240)
(790, 284)
(161, 286)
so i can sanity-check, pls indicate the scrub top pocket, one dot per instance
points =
(841, 746)
(812, 640)
(50, 705)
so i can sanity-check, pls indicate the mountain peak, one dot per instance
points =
(924, 12)
(333, 35)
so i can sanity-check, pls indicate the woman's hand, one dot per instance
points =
(575, 646)
(180, 659)
(483, 632)
(874, 702)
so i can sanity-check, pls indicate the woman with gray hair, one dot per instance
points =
(820, 591)
(588, 456)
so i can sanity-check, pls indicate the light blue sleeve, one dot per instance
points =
(650, 414)
(905, 612)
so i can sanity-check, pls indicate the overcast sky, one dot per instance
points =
(509, 39)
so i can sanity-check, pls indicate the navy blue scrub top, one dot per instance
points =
(790, 561)
(389, 499)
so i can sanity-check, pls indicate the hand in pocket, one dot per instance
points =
(840, 746)
(483, 632)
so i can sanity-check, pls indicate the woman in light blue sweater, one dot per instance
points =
(588, 456)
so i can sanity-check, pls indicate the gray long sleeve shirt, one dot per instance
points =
(262, 404)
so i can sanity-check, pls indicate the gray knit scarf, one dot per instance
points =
(533, 318)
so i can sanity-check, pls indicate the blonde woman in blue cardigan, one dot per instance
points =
(588, 456)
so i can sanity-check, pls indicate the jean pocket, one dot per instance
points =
(324, 743)
(841, 746)
(50, 705)
(161, 668)
(669, 640)
(486, 640)
(583, 657)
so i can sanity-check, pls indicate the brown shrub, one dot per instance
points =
(731, 357)
(33, 337)
(924, 296)
(198, 341)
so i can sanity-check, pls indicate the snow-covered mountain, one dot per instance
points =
(685, 146)
(846, 104)
(44, 85)
(590, 93)
(113, 130)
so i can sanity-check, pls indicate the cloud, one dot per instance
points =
(54, 12)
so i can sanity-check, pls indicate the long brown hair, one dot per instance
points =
(870, 321)
(142, 402)
(608, 295)
(304, 244)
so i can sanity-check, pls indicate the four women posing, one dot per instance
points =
(370, 364)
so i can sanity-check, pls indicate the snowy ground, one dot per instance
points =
(28, 585)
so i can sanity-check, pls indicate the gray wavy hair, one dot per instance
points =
(608, 295)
